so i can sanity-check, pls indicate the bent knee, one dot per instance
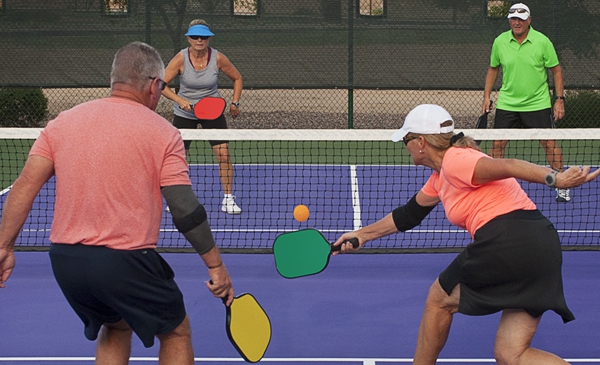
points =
(439, 298)
(506, 355)
(183, 330)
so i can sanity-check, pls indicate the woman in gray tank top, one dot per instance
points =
(198, 68)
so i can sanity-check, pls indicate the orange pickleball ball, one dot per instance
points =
(301, 213)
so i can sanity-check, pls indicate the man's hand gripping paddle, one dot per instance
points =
(483, 119)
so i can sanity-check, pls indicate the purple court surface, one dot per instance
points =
(363, 309)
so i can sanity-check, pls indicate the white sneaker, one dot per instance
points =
(229, 206)
(562, 195)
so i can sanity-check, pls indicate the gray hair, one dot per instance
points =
(134, 65)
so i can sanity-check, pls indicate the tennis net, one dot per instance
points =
(347, 178)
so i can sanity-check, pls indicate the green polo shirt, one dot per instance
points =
(524, 70)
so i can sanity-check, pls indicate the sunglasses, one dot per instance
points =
(406, 140)
(520, 11)
(195, 37)
(162, 84)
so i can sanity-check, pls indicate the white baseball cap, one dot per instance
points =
(520, 11)
(424, 119)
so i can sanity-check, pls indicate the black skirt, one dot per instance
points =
(514, 263)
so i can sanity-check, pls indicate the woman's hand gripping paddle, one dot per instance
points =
(302, 253)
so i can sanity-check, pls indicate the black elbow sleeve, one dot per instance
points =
(410, 215)
(191, 221)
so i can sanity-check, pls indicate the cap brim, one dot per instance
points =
(398, 135)
(522, 16)
(200, 34)
(199, 30)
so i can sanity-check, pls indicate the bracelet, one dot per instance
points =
(560, 98)
(215, 267)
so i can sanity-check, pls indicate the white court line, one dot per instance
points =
(6, 190)
(363, 361)
(355, 198)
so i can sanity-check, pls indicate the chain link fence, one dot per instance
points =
(305, 63)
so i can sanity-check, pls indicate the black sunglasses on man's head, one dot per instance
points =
(161, 83)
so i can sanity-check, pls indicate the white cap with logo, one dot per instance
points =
(520, 11)
(424, 119)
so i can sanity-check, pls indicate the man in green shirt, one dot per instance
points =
(524, 99)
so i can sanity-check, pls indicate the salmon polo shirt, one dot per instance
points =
(470, 206)
(111, 157)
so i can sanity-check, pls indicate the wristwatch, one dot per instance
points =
(560, 98)
(237, 105)
(550, 179)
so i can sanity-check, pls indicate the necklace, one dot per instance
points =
(200, 59)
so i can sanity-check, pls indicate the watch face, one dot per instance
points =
(551, 179)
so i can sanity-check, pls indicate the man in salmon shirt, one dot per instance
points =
(114, 160)
(513, 264)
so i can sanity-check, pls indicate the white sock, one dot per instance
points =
(228, 196)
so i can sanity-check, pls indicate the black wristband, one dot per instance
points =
(560, 98)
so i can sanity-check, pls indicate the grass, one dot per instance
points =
(305, 152)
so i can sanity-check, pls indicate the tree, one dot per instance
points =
(174, 26)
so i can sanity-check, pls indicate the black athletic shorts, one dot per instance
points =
(538, 119)
(513, 263)
(185, 123)
(104, 285)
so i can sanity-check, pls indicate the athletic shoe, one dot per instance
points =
(229, 206)
(562, 195)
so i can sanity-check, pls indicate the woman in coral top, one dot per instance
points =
(514, 262)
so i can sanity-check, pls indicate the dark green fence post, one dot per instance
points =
(148, 22)
(350, 64)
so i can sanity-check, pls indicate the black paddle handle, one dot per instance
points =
(353, 241)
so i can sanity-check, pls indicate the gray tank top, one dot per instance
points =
(197, 84)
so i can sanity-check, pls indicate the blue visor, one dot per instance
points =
(199, 30)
